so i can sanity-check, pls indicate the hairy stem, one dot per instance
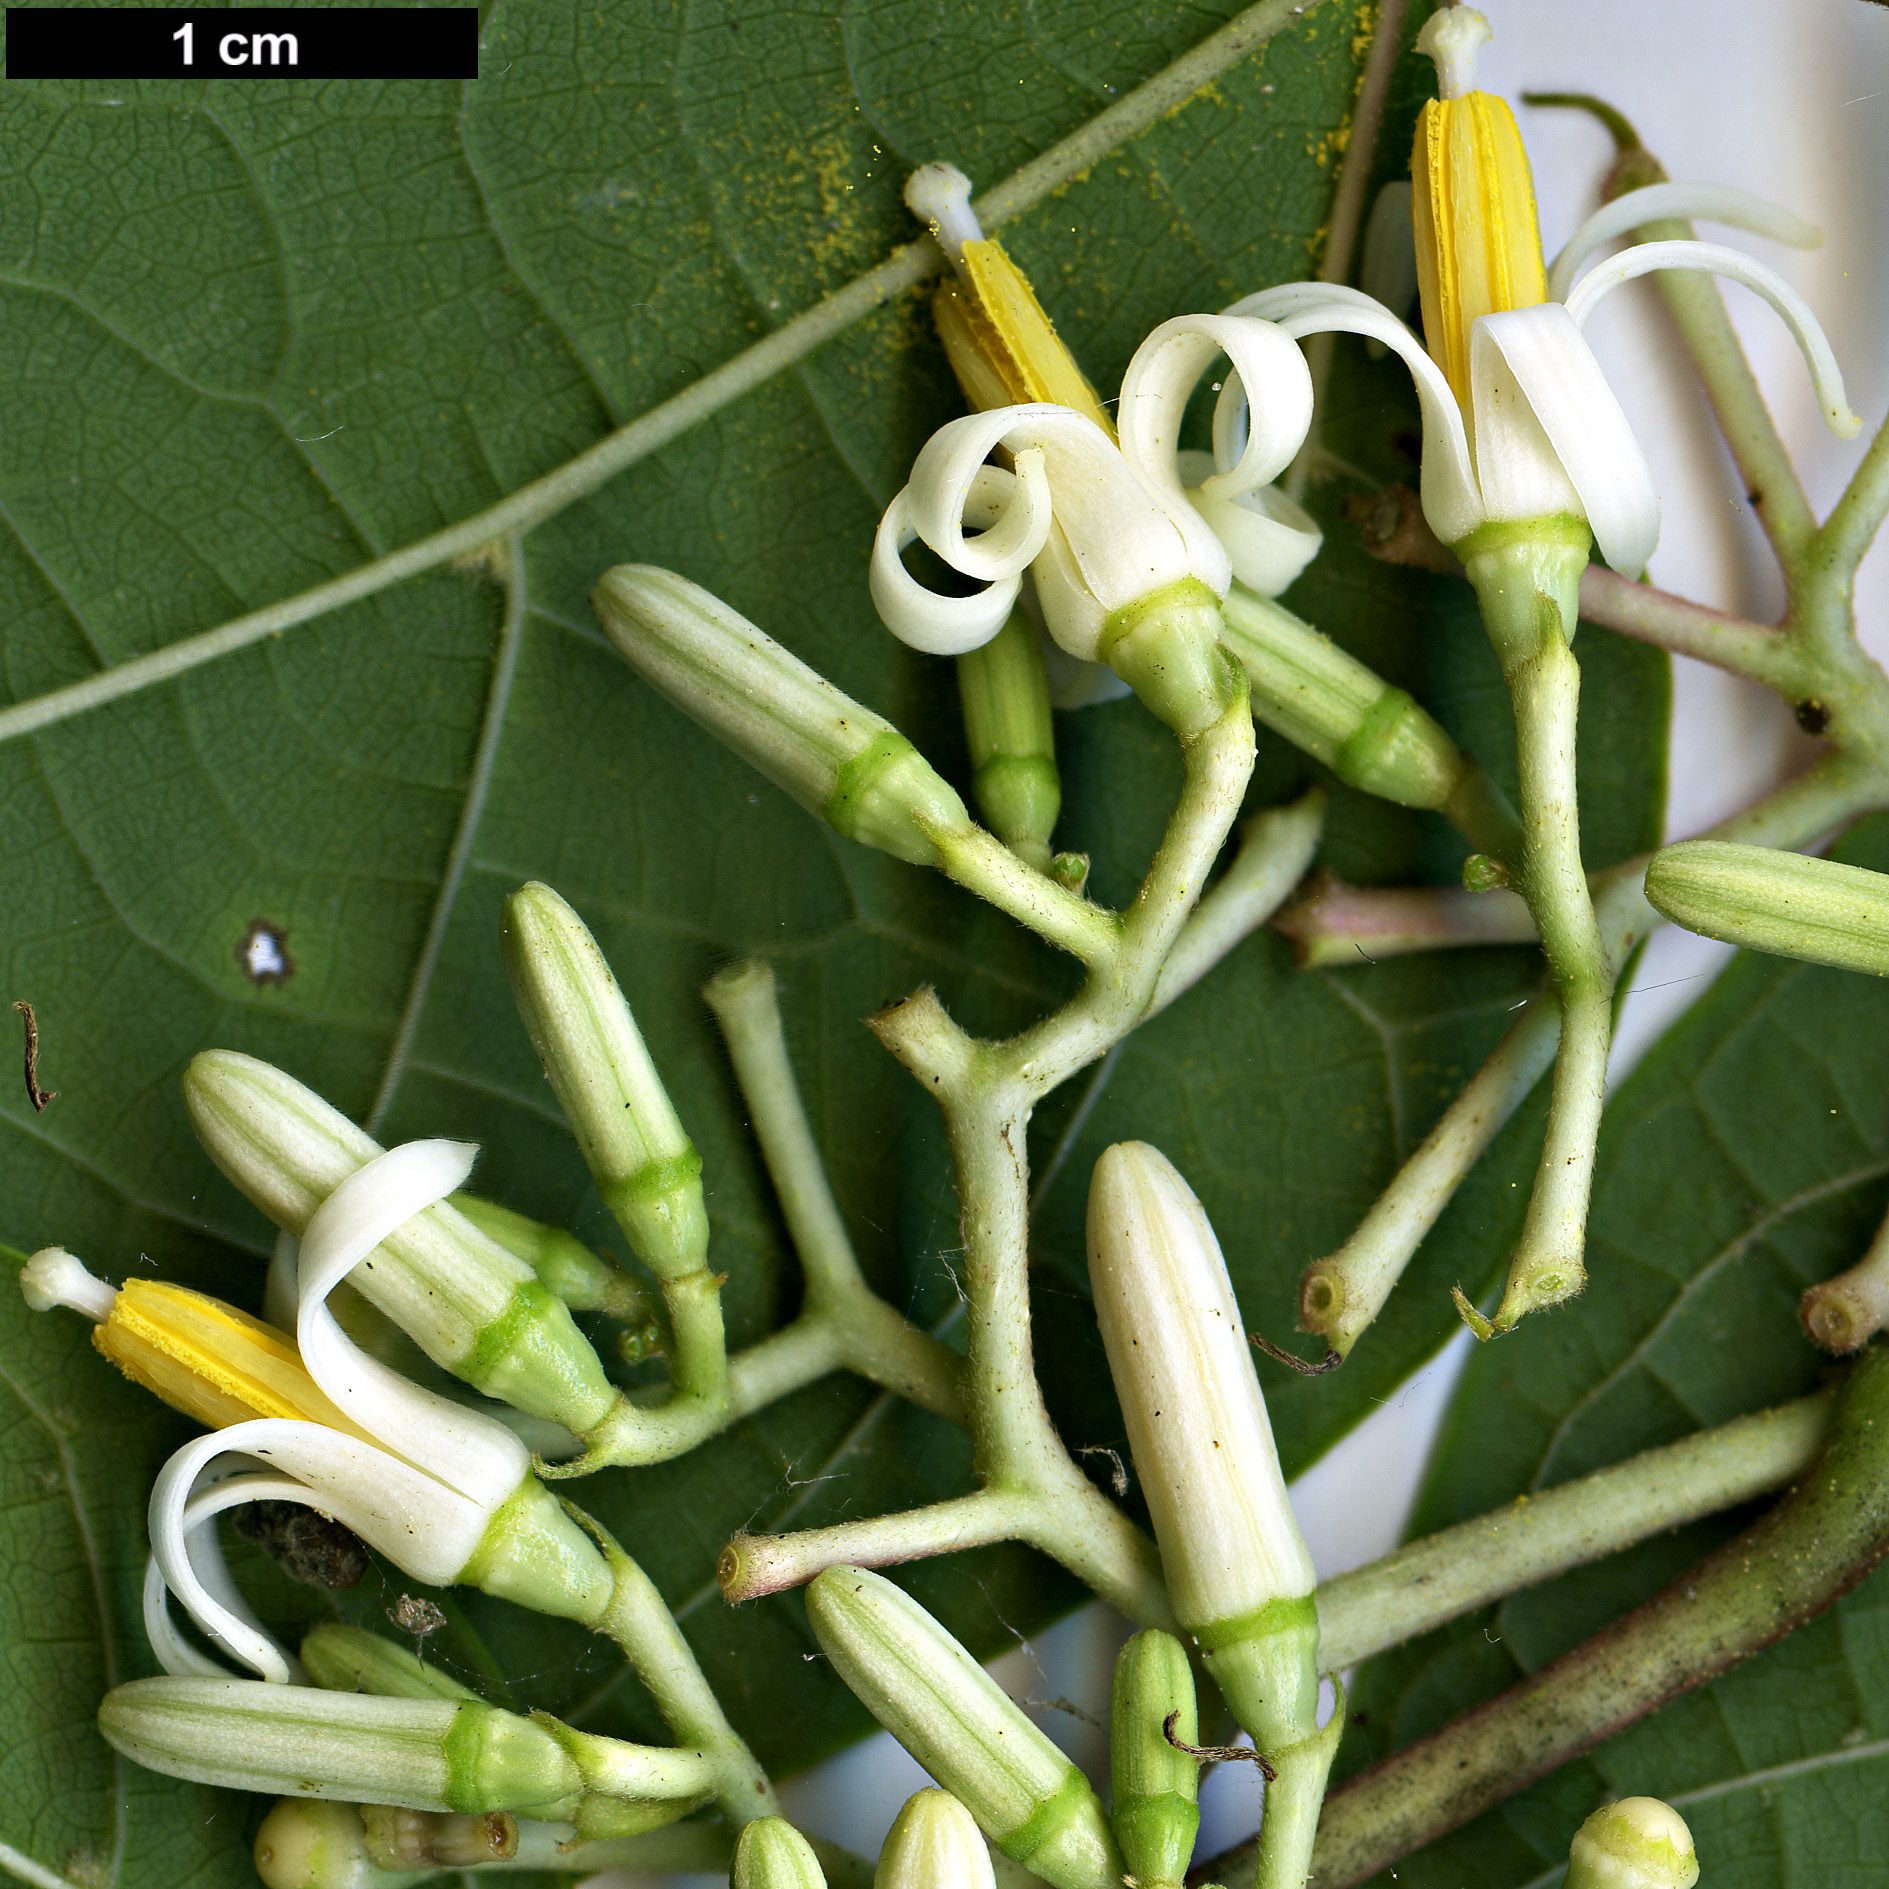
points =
(1527, 580)
(844, 1318)
(639, 1621)
(1795, 1561)
(1537, 1536)
(1341, 1295)
(1033, 1489)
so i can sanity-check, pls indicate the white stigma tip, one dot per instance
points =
(53, 1277)
(1452, 36)
(940, 195)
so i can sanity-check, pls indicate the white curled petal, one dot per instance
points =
(1706, 203)
(1071, 614)
(1452, 501)
(424, 1528)
(174, 1653)
(923, 619)
(1123, 538)
(1715, 259)
(469, 1452)
(1268, 538)
(945, 473)
(1548, 429)
(224, 1615)
(1167, 367)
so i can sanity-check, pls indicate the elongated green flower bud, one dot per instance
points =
(341, 1658)
(942, 1706)
(565, 1266)
(1004, 688)
(423, 1754)
(1237, 1568)
(306, 1844)
(1156, 1812)
(468, 1303)
(1637, 1843)
(644, 1165)
(1371, 735)
(842, 762)
(401, 1840)
(1785, 903)
(772, 1854)
(934, 1843)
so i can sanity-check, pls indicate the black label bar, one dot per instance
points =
(107, 42)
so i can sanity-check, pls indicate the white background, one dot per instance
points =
(1789, 99)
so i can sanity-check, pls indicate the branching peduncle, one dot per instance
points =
(1032, 1488)
(639, 1621)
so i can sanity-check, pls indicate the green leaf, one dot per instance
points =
(1746, 1158)
(259, 335)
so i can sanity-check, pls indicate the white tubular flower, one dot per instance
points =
(1518, 420)
(443, 1492)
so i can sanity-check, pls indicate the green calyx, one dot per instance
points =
(534, 1358)
(890, 797)
(498, 1761)
(662, 1213)
(1066, 1839)
(1166, 647)
(532, 1552)
(1266, 1666)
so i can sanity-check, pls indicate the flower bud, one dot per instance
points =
(842, 762)
(1786, 903)
(942, 1706)
(341, 1658)
(644, 1165)
(1004, 688)
(1637, 1843)
(437, 1839)
(1237, 1569)
(934, 1843)
(469, 1304)
(565, 1266)
(306, 1844)
(1156, 1812)
(424, 1754)
(772, 1854)
(1327, 703)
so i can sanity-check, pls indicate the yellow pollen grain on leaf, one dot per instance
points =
(210, 1360)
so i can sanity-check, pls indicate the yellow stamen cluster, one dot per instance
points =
(209, 1360)
(1001, 345)
(1473, 203)
(1003, 348)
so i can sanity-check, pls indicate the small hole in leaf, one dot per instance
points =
(263, 954)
